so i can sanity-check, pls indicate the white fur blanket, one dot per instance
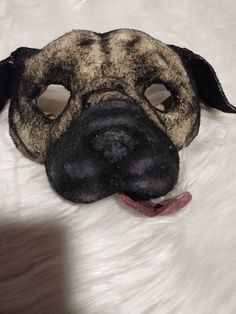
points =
(58, 257)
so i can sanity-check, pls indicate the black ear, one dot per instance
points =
(7, 75)
(8, 68)
(207, 85)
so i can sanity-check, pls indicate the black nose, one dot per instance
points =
(112, 147)
(113, 143)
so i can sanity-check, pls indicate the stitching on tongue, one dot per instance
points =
(151, 209)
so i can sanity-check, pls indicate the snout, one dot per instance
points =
(112, 147)
(113, 143)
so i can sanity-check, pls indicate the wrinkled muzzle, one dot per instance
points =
(112, 147)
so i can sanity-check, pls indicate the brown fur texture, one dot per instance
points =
(116, 65)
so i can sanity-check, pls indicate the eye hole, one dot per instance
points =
(53, 100)
(159, 97)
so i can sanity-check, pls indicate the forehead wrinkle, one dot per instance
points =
(93, 62)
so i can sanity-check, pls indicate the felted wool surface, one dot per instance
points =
(59, 257)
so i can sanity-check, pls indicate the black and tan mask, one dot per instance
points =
(110, 137)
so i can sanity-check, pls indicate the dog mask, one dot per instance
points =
(109, 138)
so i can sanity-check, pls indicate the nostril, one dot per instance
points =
(114, 144)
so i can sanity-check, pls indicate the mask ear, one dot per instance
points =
(8, 69)
(204, 78)
(7, 75)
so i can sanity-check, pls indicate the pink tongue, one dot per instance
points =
(151, 209)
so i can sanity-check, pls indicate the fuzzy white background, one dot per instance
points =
(117, 261)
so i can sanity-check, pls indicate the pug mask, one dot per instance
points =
(110, 138)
